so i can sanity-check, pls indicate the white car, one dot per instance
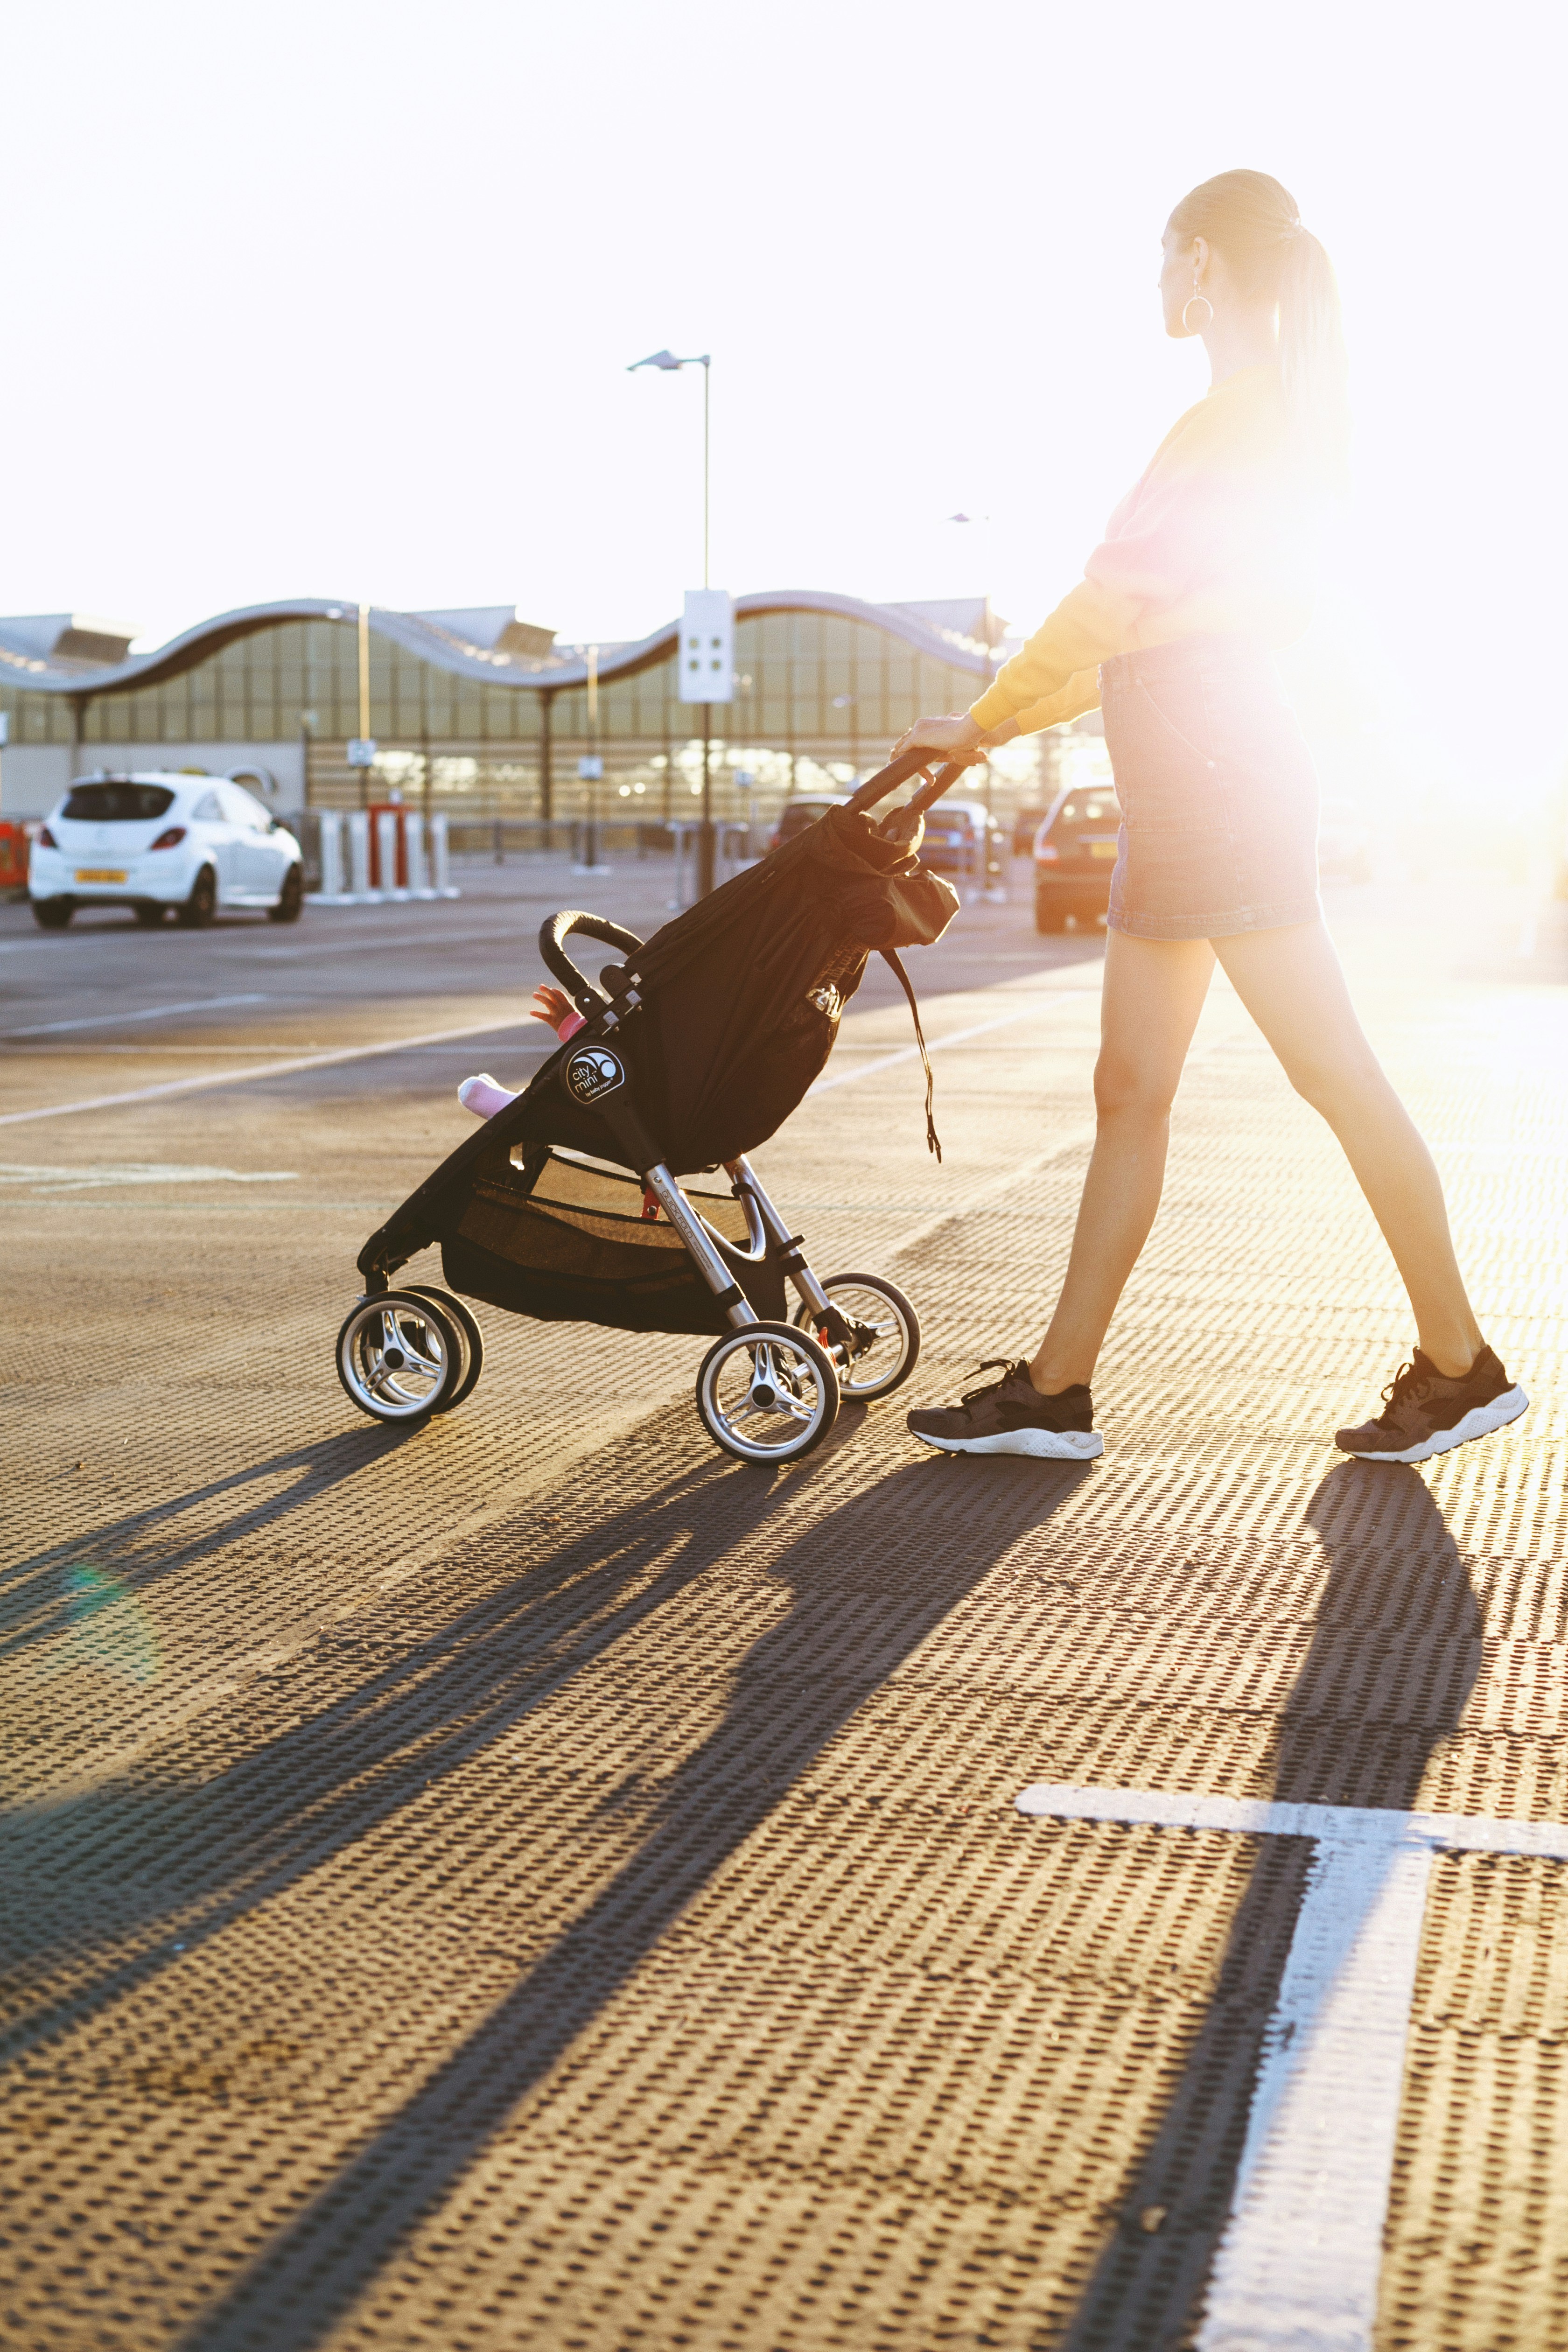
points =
(157, 841)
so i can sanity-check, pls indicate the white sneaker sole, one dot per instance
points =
(1039, 1444)
(1479, 1422)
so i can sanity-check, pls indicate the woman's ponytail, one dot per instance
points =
(1313, 364)
(1253, 222)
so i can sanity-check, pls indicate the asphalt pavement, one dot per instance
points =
(531, 1880)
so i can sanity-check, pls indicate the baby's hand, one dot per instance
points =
(553, 1005)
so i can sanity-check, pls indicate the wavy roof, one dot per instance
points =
(434, 640)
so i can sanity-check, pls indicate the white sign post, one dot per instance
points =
(590, 768)
(707, 646)
(706, 668)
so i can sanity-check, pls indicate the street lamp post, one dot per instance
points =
(669, 363)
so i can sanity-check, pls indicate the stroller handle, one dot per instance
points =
(556, 929)
(898, 772)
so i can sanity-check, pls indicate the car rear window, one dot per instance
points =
(1090, 808)
(118, 801)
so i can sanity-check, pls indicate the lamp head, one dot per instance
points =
(655, 359)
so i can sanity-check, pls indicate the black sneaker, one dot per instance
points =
(1011, 1416)
(1424, 1413)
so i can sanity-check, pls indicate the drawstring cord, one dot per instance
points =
(933, 1140)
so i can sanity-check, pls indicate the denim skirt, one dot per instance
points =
(1218, 795)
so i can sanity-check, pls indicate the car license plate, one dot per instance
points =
(1102, 849)
(100, 874)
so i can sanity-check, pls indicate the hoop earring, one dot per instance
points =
(1196, 297)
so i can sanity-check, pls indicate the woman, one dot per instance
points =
(1206, 565)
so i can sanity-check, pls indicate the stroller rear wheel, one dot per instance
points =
(468, 1333)
(767, 1393)
(399, 1358)
(884, 1345)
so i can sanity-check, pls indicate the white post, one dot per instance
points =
(359, 856)
(413, 834)
(331, 823)
(441, 872)
(386, 852)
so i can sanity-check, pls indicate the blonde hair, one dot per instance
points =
(1253, 222)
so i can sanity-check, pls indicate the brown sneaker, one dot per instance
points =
(1425, 1413)
(1011, 1416)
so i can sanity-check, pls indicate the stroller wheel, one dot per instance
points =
(468, 1333)
(398, 1357)
(885, 1341)
(767, 1393)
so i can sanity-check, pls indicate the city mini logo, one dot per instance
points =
(592, 1073)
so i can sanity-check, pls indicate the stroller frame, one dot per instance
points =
(767, 1230)
(404, 1354)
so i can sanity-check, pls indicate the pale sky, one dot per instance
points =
(338, 299)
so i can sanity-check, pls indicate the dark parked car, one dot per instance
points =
(964, 837)
(797, 814)
(1075, 853)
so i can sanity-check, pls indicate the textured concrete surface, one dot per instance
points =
(531, 1880)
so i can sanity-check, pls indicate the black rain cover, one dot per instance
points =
(742, 993)
(741, 998)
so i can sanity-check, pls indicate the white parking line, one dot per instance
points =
(957, 1037)
(266, 1070)
(478, 1029)
(118, 1019)
(1296, 2269)
(137, 1171)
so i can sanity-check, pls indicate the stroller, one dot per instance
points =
(567, 1206)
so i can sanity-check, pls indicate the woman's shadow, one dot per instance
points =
(860, 1588)
(1395, 1656)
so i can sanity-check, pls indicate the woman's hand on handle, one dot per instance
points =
(956, 737)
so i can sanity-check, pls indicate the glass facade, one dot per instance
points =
(820, 697)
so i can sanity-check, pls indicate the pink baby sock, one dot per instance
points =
(483, 1096)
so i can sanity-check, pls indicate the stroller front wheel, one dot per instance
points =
(398, 1357)
(468, 1334)
(767, 1393)
(883, 1344)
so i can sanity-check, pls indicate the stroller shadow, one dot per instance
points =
(1395, 1656)
(860, 1600)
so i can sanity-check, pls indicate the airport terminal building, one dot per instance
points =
(481, 716)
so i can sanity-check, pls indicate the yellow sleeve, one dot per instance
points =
(1079, 694)
(1164, 531)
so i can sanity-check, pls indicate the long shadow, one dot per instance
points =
(862, 1596)
(207, 1856)
(1395, 1656)
(316, 1469)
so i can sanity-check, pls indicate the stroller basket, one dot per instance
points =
(566, 1241)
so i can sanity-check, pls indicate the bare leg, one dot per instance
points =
(1291, 983)
(1154, 990)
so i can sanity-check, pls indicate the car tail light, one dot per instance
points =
(1047, 854)
(46, 839)
(170, 837)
